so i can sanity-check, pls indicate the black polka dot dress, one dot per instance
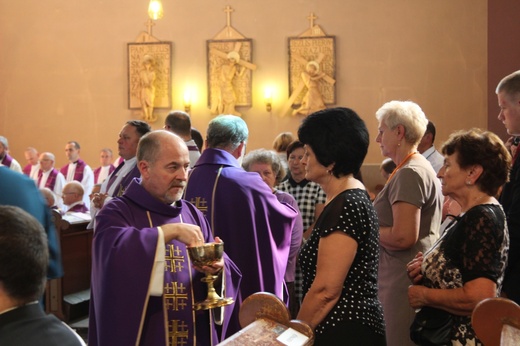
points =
(353, 213)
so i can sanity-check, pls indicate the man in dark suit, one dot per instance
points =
(24, 259)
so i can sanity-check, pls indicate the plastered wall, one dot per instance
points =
(63, 64)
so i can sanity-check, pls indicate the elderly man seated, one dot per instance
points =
(72, 195)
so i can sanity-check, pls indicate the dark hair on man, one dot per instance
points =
(197, 137)
(430, 128)
(337, 136)
(484, 148)
(388, 165)
(24, 255)
(179, 123)
(293, 146)
(141, 127)
(510, 85)
(76, 144)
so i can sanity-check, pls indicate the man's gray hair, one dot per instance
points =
(227, 132)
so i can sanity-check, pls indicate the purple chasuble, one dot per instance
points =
(78, 173)
(7, 160)
(121, 310)
(249, 219)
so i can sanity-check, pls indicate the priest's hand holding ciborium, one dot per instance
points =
(203, 257)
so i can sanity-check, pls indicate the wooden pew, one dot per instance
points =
(496, 322)
(73, 288)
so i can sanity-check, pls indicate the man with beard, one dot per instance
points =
(143, 284)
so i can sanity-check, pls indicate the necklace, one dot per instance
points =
(476, 201)
(401, 165)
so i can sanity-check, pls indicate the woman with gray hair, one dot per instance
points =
(409, 210)
(268, 164)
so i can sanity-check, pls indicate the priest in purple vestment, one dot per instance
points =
(242, 210)
(143, 284)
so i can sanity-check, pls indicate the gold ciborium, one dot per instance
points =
(206, 255)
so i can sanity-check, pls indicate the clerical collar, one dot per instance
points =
(302, 183)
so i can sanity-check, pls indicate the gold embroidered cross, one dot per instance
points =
(174, 259)
(177, 332)
(176, 300)
(200, 203)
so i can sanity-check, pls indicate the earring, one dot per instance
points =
(468, 182)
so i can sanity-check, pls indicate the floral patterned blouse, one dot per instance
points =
(475, 245)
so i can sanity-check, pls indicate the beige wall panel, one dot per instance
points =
(63, 73)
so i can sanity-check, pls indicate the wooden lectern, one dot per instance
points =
(266, 321)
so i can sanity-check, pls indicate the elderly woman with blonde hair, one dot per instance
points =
(409, 210)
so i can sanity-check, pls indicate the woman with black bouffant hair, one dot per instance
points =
(340, 260)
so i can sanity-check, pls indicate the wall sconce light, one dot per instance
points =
(268, 98)
(187, 101)
(155, 9)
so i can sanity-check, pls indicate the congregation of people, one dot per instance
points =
(442, 233)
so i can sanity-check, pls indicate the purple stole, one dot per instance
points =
(7, 160)
(127, 179)
(51, 180)
(27, 170)
(78, 173)
(80, 208)
(97, 170)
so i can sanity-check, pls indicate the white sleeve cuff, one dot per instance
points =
(157, 279)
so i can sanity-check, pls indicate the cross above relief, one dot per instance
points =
(149, 24)
(228, 11)
(311, 18)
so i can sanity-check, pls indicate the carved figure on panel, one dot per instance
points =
(227, 95)
(149, 78)
(312, 69)
(229, 76)
(312, 101)
(229, 70)
(147, 95)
